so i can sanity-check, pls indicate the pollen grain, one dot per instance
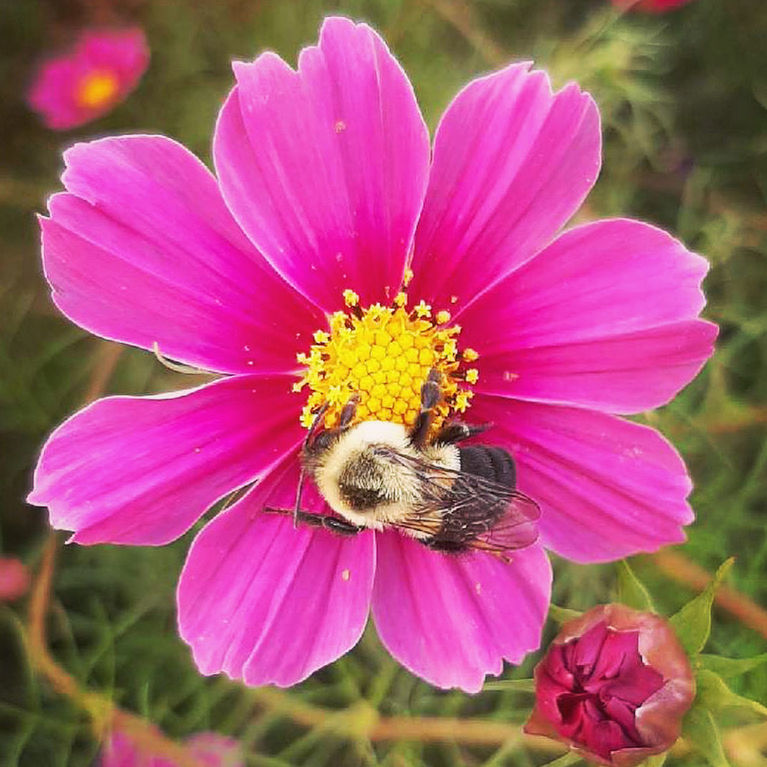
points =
(383, 354)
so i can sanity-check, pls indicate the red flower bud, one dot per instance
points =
(14, 579)
(614, 685)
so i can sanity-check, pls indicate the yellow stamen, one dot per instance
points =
(351, 298)
(422, 309)
(462, 400)
(384, 355)
(97, 89)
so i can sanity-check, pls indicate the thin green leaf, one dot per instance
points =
(728, 668)
(714, 694)
(692, 623)
(702, 733)
(518, 685)
(571, 757)
(631, 591)
(562, 614)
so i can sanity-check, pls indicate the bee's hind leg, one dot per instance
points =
(430, 395)
(333, 524)
(457, 431)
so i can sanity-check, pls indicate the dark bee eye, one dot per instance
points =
(361, 498)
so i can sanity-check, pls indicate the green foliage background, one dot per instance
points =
(684, 103)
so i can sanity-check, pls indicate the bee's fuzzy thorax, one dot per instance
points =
(353, 459)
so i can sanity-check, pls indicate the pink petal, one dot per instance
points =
(451, 619)
(121, 750)
(208, 749)
(325, 168)
(266, 602)
(512, 162)
(124, 51)
(142, 470)
(214, 750)
(144, 250)
(604, 317)
(607, 488)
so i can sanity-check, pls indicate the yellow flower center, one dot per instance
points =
(384, 354)
(97, 89)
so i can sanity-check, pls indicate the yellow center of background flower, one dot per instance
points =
(97, 89)
(384, 354)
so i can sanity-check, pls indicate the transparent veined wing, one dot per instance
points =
(468, 510)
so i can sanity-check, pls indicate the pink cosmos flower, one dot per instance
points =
(209, 749)
(326, 187)
(14, 579)
(650, 6)
(615, 685)
(102, 68)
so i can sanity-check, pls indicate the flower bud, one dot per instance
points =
(14, 579)
(614, 685)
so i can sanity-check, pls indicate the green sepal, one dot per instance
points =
(631, 591)
(517, 685)
(727, 668)
(692, 623)
(714, 694)
(571, 757)
(562, 614)
(702, 733)
(655, 761)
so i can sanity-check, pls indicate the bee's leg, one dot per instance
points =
(315, 424)
(307, 444)
(334, 524)
(315, 443)
(339, 526)
(457, 431)
(430, 394)
(348, 412)
(326, 437)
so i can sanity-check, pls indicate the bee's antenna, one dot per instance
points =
(309, 435)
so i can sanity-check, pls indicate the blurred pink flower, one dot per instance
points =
(650, 6)
(615, 685)
(209, 749)
(326, 182)
(102, 68)
(14, 579)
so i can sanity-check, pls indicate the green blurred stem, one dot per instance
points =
(105, 716)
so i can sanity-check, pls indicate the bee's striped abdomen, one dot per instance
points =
(489, 462)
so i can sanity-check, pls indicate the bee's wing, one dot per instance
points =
(469, 509)
(516, 529)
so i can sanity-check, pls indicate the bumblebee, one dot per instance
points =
(378, 475)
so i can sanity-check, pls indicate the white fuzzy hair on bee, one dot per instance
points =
(355, 467)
